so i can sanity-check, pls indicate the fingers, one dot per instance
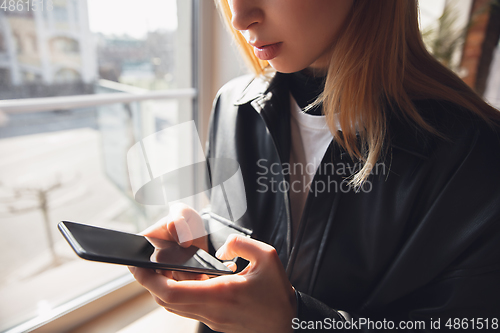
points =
(231, 265)
(182, 312)
(181, 231)
(159, 300)
(244, 247)
(183, 224)
(163, 272)
(199, 312)
(191, 315)
(175, 292)
(159, 230)
(182, 276)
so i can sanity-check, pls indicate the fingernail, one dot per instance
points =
(219, 252)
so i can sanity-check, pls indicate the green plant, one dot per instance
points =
(444, 39)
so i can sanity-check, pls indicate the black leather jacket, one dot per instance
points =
(421, 241)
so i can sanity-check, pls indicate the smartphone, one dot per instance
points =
(116, 247)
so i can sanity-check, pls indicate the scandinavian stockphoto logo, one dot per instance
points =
(161, 168)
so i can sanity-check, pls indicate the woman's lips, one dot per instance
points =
(267, 52)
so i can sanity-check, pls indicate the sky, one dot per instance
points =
(131, 17)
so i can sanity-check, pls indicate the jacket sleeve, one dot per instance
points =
(310, 310)
(467, 301)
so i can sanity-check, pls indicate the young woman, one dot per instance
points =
(396, 222)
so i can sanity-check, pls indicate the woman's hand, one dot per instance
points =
(183, 225)
(258, 299)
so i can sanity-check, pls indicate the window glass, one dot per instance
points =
(71, 163)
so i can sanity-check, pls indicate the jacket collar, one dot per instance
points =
(263, 91)
(269, 95)
(258, 91)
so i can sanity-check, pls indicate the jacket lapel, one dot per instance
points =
(269, 96)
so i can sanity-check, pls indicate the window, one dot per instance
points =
(3, 48)
(61, 12)
(4, 76)
(61, 45)
(18, 46)
(106, 74)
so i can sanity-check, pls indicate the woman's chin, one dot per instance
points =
(285, 68)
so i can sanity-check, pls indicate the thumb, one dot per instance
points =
(181, 232)
(244, 247)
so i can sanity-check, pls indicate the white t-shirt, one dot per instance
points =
(310, 137)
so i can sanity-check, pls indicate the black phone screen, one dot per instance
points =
(105, 245)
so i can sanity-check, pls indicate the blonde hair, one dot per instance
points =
(379, 61)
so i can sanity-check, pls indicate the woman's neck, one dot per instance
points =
(315, 72)
(306, 88)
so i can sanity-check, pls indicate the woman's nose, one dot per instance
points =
(245, 13)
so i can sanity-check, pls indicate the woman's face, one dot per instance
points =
(290, 34)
